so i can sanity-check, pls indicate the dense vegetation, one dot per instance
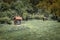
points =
(29, 9)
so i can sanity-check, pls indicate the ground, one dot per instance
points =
(31, 30)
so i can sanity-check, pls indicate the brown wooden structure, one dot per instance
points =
(17, 20)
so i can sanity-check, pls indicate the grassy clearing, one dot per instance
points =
(31, 30)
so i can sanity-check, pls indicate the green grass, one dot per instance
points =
(31, 30)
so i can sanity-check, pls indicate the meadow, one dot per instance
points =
(31, 30)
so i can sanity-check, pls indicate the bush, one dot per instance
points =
(54, 17)
(37, 17)
(5, 20)
(58, 19)
(25, 15)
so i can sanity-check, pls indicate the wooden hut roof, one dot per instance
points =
(18, 18)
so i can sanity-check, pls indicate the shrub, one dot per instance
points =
(37, 17)
(58, 19)
(25, 15)
(54, 17)
(5, 20)
(30, 17)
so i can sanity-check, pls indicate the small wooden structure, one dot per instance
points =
(17, 20)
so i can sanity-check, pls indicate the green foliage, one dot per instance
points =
(11, 8)
(25, 15)
(50, 5)
(14, 8)
(5, 20)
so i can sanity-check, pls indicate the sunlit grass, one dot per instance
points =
(31, 30)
